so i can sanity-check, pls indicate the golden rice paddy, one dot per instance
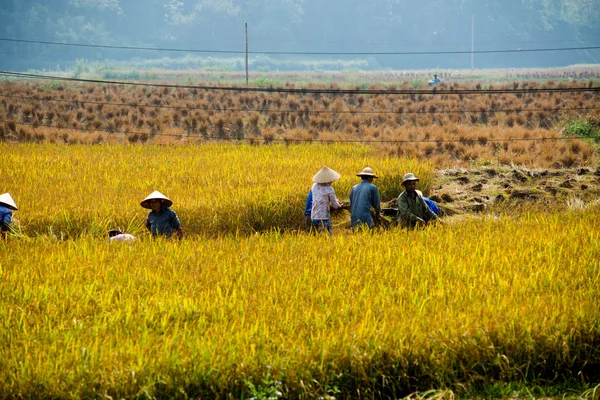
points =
(249, 306)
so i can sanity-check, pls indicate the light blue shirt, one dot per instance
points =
(362, 197)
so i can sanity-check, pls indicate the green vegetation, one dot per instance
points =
(583, 127)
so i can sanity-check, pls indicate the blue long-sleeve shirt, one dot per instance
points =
(308, 203)
(362, 197)
(5, 215)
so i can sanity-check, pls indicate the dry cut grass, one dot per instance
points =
(448, 129)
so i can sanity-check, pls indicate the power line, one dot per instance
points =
(184, 136)
(133, 105)
(298, 52)
(433, 91)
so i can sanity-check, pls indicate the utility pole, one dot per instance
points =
(472, 41)
(246, 26)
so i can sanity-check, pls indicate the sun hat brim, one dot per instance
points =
(410, 180)
(367, 174)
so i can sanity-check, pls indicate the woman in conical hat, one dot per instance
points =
(161, 220)
(7, 206)
(323, 197)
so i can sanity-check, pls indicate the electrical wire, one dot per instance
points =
(298, 52)
(433, 91)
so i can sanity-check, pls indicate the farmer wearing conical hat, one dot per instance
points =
(412, 209)
(323, 197)
(364, 197)
(161, 220)
(7, 206)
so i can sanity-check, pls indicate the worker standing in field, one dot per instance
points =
(7, 206)
(161, 221)
(323, 197)
(434, 81)
(364, 197)
(412, 209)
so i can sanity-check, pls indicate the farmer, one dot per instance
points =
(412, 209)
(363, 197)
(161, 220)
(434, 81)
(116, 235)
(323, 197)
(7, 206)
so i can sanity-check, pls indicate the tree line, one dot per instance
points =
(375, 26)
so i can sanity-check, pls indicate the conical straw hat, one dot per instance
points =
(156, 195)
(326, 175)
(8, 201)
(367, 172)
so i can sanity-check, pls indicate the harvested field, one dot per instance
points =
(446, 129)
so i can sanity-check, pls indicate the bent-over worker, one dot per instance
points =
(412, 209)
(7, 206)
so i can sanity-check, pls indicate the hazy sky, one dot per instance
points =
(317, 28)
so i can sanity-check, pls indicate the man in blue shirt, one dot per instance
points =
(435, 80)
(7, 206)
(363, 197)
(161, 220)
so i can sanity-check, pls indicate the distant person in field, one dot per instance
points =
(7, 206)
(323, 197)
(116, 235)
(364, 197)
(161, 221)
(412, 209)
(434, 81)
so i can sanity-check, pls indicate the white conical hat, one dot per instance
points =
(326, 175)
(156, 195)
(8, 201)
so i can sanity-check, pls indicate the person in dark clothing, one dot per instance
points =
(412, 209)
(7, 206)
(161, 221)
(363, 198)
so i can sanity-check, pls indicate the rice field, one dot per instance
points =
(68, 191)
(248, 306)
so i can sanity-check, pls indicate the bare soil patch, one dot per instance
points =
(461, 191)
